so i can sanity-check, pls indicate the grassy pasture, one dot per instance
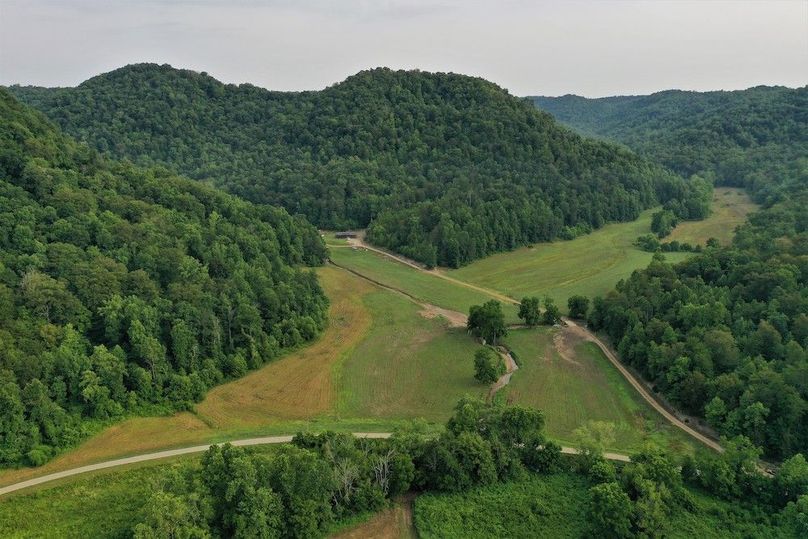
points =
(421, 285)
(730, 208)
(407, 366)
(572, 382)
(590, 265)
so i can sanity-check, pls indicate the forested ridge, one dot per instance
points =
(755, 138)
(440, 167)
(127, 290)
(724, 334)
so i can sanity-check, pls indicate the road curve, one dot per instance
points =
(283, 439)
(580, 330)
(161, 455)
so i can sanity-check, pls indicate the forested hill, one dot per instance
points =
(752, 138)
(125, 290)
(441, 167)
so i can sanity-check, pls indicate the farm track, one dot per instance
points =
(572, 326)
(247, 442)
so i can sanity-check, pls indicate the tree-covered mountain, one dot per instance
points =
(441, 167)
(126, 290)
(755, 138)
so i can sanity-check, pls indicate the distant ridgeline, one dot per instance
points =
(723, 335)
(440, 167)
(126, 290)
(755, 138)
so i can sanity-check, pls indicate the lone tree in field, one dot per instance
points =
(487, 366)
(578, 306)
(529, 311)
(487, 321)
(551, 313)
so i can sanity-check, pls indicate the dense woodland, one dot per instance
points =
(755, 138)
(127, 290)
(440, 167)
(724, 334)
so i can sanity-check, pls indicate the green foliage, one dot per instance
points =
(755, 138)
(487, 321)
(610, 511)
(125, 289)
(578, 306)
(663, 222)
(487, 366)
(443, 168)
(551, 314)
(722, 334)
(529, 311)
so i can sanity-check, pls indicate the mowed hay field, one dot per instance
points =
(573, 383)
(407, 366)
(730, 208)
(589, 265)
(425, 286)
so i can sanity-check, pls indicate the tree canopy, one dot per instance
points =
(441, 167)
(124, 289)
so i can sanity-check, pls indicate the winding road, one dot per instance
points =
(202, 448)
(571, 325)
(455, 319)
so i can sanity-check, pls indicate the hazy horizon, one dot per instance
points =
(587, 48)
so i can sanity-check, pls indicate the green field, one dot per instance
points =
(421, 285)
(406, 366)
(555, 506)
(590, 265)
(730, 208)
(572, 382)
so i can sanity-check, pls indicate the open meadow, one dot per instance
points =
(573, 383)
(730, 208)
(589, 265)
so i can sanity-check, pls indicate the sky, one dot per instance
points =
(586, 47)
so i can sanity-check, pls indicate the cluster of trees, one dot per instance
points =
(755, 138)
(651, 244)
(299, 490)
(124, 289)
(639, 499)
(302, 489)
(531, 313)
(440, 167)
(724, 335)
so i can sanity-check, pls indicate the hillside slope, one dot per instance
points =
(753, 138)
(126, 290)
(441, 167)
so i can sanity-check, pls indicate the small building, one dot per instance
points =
(344, 235)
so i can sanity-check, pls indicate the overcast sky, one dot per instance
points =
(587, 47)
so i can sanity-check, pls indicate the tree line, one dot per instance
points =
(303, 489)
(443, 168)
(126, 290)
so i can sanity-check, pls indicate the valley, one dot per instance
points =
(543, 317)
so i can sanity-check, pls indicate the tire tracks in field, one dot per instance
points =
(571, 325)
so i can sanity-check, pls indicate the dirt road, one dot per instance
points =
(202, 448)
(571, 325)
